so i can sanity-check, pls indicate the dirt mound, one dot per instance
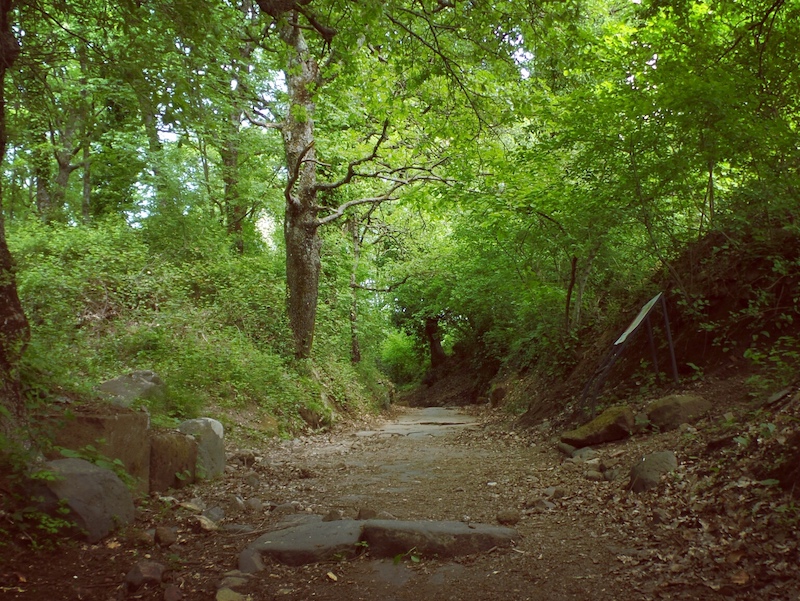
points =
(733, 310)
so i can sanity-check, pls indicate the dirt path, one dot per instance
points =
(439, 464)
(698, 536)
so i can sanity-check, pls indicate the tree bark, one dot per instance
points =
(303, 244)
(438, 355)
(14, 331)
(355, 345)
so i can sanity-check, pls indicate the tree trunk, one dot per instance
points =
(438, 355)
(235, 212)
(14, 332)
(355, 345)
(303, 243)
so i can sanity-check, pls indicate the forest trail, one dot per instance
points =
(578, 538)
(444, 464)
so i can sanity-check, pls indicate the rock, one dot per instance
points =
(250, 561)
(441, 539)
(116, 434)
(333, 515)
(166, 536)
(565, 448)
(285, 509)
(173, 593)
(206, 524)
(646, 473)
(614, 474)
(144, 572)
(141, 385)
(366, 513)
(215, 514)
(308, 543)
(584, 454)
(670, 412)
(226, 594)
(234, 581)
(98, 500)
(254, 504)
(173, 460)
(210, 435)
(554, 492)
(615, 423)
(595, 476)
(508, 517)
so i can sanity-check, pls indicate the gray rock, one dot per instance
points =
(144, 572)
(285, 509)
(250, 561)
(646, 473)
(565, 448)
(210, 435)
(215, 514)
(98, 500)
(584, 454)
(124, 391)
(554, 492)
(595, 476)
(333, 515)
(442, 539)
(670, 412)
(615, 423)
(254, 504)
(173, 460)
(117, 434)
(614, 474)
(309, 543)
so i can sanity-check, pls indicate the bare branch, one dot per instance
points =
(261, 122)
(387, 196)
(351, 168)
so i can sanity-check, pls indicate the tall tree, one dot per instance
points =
(14, 330)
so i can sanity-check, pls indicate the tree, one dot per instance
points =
(14, 330)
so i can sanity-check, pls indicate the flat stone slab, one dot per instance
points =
(389, 538)
(431, 421)
(310, 543)
(322, 541)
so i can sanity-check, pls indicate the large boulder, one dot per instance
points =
(670, 412)
(647, 473)
(114, 432)
(173, 460)
(97, 499)
(140, 385)
(615, 423)
(210, 435)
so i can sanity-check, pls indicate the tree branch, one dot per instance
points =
(388, 195)
(294, 175)
(351, 168)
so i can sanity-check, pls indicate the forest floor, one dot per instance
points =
(710, 531)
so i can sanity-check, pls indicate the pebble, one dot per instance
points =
(144, 572)
(166, 536)
(508, 517)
